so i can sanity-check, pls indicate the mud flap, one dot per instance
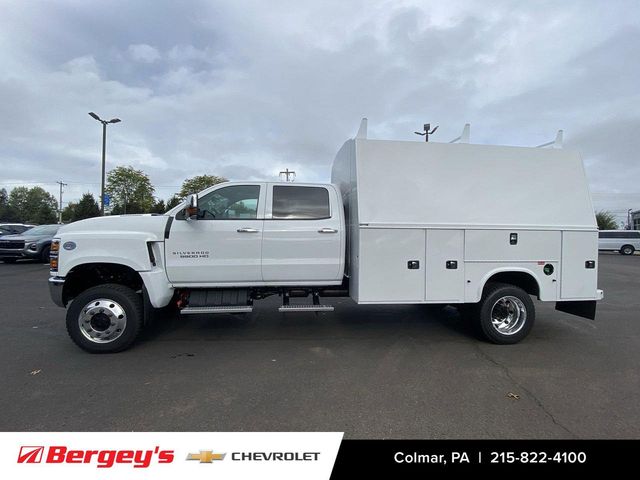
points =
(582, 308)
(148, 310)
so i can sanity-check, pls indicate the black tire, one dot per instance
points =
(495, 292)
(44, 255)
(122, 296)
(9, 260)
(627, 250)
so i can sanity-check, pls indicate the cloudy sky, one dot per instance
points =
(246, 88)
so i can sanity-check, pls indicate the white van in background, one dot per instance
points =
(624, 241)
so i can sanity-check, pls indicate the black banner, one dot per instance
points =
(415, 458)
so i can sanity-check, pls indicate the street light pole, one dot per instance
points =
(104, 156)
(104, 166)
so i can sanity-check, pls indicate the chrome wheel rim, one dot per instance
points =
(102, 320)
(508, 315)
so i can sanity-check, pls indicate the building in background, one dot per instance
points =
(635, 220)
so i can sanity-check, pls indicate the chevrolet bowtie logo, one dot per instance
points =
(206, 456)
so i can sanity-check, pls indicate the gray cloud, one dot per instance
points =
(144, 53)
(245, 89)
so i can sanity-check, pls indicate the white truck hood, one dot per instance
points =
(149, 226)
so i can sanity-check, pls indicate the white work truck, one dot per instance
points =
(476, 226)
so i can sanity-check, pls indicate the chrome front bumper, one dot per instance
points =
(55, 290)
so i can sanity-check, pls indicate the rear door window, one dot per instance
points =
(300, 203)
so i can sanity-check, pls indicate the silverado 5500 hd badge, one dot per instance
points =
(191, 254)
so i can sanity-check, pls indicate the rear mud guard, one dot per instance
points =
(581, 308)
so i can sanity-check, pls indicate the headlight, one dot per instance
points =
(33, 246)
(55, 245)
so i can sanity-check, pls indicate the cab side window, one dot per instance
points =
(236, 202)
(300, 203)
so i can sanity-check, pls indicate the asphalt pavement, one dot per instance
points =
(370, 371)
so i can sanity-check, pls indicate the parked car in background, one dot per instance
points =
(34, 243)
(13, 228)
(624, 241)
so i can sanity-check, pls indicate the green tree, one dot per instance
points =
(87, 207)
(198, 183)
(33, 205)
(18, 201)
(130, 190)
(6, 214)
(68, 212)
(606, 220)
(158, 207)
(173, 202)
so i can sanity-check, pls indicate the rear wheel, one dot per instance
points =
(627, 250)
(105, 319)
(505, 314)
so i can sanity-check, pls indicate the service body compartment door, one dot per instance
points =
(512, 245)
(391, 265)
(579, 279)
(445, 266)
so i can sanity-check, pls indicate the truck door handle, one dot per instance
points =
(248, 230)
(327, 230)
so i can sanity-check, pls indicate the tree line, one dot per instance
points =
(130, 191)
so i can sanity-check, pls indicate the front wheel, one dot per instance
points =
(105, 319)
(505, 314)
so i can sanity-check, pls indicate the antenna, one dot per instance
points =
(288, 175)
(426, 133)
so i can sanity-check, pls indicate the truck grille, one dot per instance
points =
(12, 244)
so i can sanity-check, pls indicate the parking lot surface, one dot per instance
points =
(370, 371)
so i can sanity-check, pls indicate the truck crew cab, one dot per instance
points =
(401, 222)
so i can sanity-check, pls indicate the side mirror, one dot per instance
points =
(191, 212)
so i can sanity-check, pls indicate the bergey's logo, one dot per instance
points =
(30, 454)
(100, 458)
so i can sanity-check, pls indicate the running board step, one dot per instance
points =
(306, 308)
(220, 309)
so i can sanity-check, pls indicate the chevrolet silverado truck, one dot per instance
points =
(476, 226)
